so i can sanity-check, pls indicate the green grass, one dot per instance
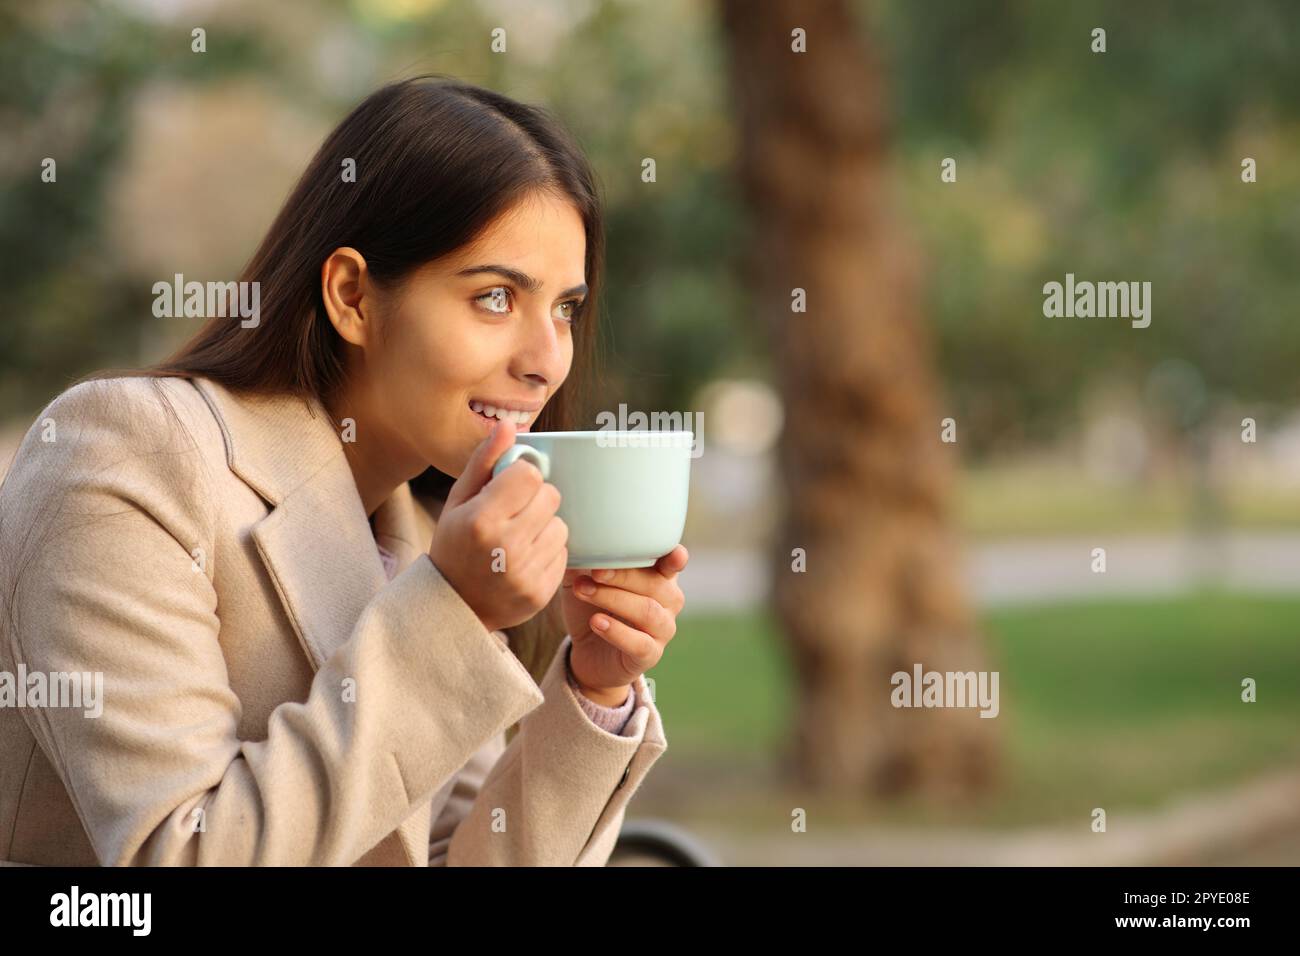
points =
(1116, 703)
(1049, 499)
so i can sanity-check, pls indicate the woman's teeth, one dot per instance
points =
(504, 414)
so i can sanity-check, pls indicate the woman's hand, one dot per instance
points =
(620, 628)
(499, 542)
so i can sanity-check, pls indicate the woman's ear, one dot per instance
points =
(344, 286)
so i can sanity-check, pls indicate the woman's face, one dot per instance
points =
(489, 329)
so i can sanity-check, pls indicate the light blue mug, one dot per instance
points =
(622, 493)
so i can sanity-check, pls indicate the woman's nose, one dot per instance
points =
(541, 356)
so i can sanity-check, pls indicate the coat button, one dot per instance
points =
(626, 773)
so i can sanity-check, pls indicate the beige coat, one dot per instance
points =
(268, 696)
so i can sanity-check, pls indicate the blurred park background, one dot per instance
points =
(821, 170)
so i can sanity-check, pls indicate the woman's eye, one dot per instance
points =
(572, 305)
(498, 300)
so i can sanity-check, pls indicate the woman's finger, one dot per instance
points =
(643, 649)
(667, 567)
(555, 569)
(644, 581)
(533, 518)
(673, 563)
(552, 538)
(640, 610)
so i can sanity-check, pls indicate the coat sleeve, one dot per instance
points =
(557, 795)
(161, 777)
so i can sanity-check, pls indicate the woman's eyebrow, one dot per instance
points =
(533, 286)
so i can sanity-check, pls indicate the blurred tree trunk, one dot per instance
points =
(866, 477)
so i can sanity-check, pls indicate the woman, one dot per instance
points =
(302, 661)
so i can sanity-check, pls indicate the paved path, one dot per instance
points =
(1257, 823)
(1011, 572)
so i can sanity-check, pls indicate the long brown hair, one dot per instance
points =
(436, 160)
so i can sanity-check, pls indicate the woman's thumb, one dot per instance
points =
(478, 470)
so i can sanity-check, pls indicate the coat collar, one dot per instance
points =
(317, 543)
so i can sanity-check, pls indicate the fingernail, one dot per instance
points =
(604, 574)
(600, 624)
(585, 587)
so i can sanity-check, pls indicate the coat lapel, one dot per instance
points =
(316, 542)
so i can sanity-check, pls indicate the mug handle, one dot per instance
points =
(528, 453)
